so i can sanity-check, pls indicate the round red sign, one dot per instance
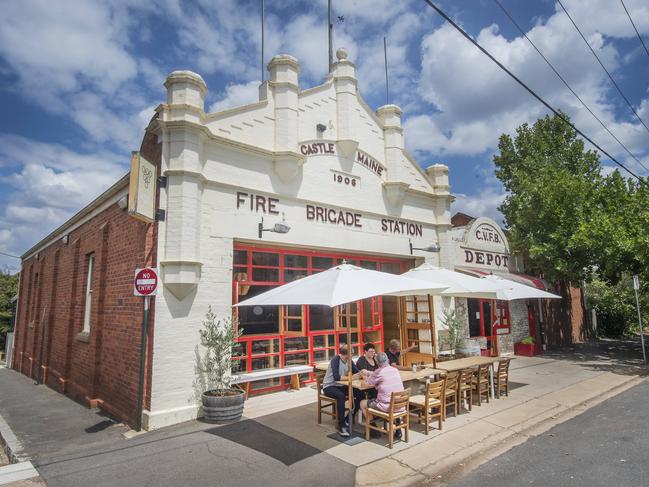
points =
(146, 282)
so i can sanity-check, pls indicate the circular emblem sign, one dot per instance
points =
(146, 281)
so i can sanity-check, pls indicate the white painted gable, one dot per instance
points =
(319, 159)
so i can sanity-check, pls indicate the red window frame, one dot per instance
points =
(366, 324)
(503, 311)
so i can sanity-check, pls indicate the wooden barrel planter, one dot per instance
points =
(223, 408)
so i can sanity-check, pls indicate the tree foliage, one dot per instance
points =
(572, 221)
(8, 289)
(551, 182)
(616, 306)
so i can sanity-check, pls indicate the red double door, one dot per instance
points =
(486, 317)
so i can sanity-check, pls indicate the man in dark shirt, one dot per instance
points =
(337, 370)
(394, 353)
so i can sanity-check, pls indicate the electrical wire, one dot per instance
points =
(567, 85)
(604, 68)
(9, 255)
(635, 28)
(528, 89)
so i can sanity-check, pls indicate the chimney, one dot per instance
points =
(390, 116)
(344, 78)
(186, 88)
(284, 82)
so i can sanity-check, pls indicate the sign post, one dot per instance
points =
(636, 288)
(145, 284)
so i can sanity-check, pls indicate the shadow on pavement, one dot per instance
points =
(622, 357)
(256, 436)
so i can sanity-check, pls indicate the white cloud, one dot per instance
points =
(484, 203)
(57, 47)
(72, 59)
(236, 95)
(476, 101)
(608, 17)
(46, 184)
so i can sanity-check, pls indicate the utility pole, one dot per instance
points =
(387, 86)
(636, 288)
(262, 41)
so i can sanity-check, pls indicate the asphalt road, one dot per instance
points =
(608, 445)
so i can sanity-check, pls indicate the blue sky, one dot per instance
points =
(79, 80)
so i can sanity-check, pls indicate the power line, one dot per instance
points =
(604, 68)
(567, 85)
(634, 27)
(9, 255)
(528, 89)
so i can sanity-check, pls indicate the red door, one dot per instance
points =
(531, 320)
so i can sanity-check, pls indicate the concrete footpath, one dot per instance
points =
(546, 390)
(279, 441)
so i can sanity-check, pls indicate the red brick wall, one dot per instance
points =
(565, 321)
(102, 368)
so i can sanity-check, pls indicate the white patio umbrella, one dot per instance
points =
(459, 285)
(342, 284)
(511, 290)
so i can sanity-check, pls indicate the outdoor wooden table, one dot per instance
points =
(321, 366)
(406, 376)
(467, 363)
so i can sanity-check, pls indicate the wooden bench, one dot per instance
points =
(242, 381)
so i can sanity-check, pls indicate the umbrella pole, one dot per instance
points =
(350, 391)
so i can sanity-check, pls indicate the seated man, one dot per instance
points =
(339, 367)
(394, 354)
(386, 380)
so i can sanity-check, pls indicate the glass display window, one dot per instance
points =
(256, 320)
(293, 320)
(371, 313)
(346, 315)
(278, 336)
(321, 318)
(417, 309)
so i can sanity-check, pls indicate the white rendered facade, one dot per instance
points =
(350, 187)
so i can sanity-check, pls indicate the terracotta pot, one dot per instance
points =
(223, 408)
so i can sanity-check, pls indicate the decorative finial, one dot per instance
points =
(341, 54)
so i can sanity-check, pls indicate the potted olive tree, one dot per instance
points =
(455, 330)
(220, 401)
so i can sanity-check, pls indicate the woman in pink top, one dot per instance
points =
(386, 380)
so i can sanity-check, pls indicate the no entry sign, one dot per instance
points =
(146, 281)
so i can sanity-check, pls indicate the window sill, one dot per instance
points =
(84, 336)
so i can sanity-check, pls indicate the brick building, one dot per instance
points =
(481, 248)
(318, 159)
(77, 320)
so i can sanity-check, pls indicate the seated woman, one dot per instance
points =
(339, 367)
(368, 360)
(386, 380)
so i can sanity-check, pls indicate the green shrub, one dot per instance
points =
(530, 340)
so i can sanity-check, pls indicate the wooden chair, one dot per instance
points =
(502, 377)
(481, 383)
(465, 386)
(450, 393)
(434, 398)
(324, 402)
(398, 410)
